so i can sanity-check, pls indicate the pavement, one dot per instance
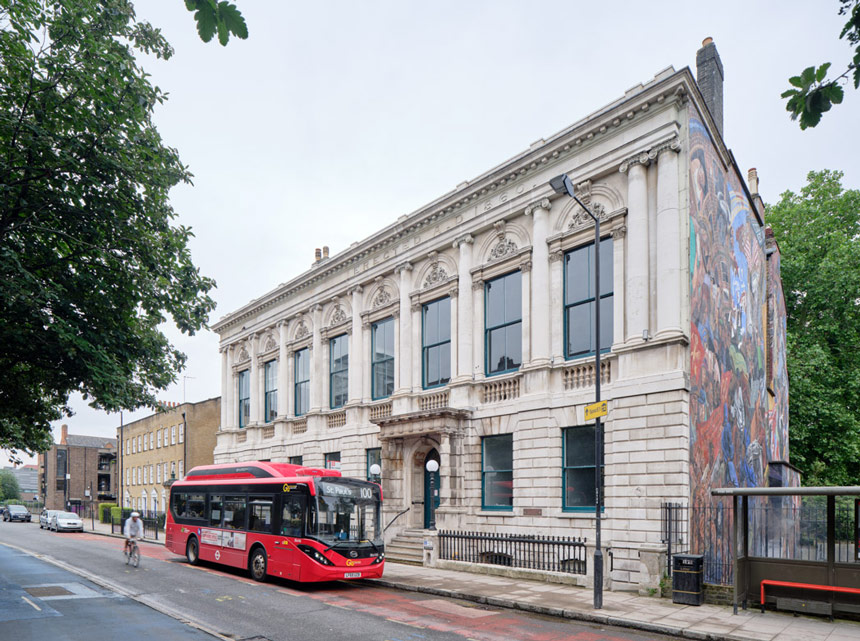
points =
(624, 609)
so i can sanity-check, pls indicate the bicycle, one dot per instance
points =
(132, 553)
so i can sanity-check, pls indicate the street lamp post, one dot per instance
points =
(432, 467)
(563, 185)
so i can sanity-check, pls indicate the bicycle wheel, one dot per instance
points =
(135, 553)
(127, 556)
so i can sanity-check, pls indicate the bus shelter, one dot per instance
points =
(796, 548)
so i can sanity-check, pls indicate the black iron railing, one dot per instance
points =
(547, 553)
(150, 525)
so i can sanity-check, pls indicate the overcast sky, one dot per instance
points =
(335, 118)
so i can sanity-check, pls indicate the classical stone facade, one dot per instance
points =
(164, 446)
(468, 330)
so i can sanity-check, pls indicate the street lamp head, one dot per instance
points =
(432, 466)
(375, 470)
(562, 185)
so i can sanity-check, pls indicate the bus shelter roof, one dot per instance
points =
(845, 490)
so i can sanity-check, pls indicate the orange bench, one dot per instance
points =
(805, 586)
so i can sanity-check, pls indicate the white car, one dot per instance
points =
(45, 519)
(66, 521)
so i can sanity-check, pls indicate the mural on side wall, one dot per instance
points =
(728, 396)
(777, 415)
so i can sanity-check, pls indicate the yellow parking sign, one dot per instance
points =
(595, 409)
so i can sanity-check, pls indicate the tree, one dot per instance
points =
(214, 17)
(818, 232)
(813, 93)
(9, 488)
(91, 265)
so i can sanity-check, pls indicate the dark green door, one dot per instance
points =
(434, 456)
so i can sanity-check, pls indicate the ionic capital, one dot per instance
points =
(543, 203)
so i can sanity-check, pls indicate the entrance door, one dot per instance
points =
(432, 455)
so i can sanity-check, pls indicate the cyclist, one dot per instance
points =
(133, 530)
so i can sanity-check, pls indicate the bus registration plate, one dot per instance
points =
(352, 575)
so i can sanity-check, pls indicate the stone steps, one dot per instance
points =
(406, 547)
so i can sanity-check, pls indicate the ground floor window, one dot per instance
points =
(332, 461)
(578, 480)
(497, 472)
(374, 457)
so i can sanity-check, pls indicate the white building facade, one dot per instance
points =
(463, 333)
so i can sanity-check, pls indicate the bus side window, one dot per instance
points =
(234, 512)
(292, 514)
(215, 510)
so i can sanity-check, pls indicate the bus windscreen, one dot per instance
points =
(348, 510)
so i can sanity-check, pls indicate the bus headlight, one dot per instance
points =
(316, 555)
(379, 559)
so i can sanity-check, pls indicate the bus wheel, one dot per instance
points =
(257, 564)
(192, 551)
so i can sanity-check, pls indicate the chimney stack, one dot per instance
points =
(325, 251)
(317, 255)
(752, 181)
(709, 77)
(65, 435)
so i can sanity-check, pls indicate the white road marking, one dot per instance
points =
(31, 603)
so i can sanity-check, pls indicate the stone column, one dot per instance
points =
(669, 233)
(405, 347)
(316, 360)
(525, 274)
(256, 396)
(464, 335)
(283, 366)
(478, 328)
(226, 377)
(291, 383)
(325, 369)
(365, 359)
(397, 338)
(230, 392)
(637, 290)
(539, 311)
(556, 317)
(356, 348)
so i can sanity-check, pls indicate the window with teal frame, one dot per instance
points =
(578, 482)
(503, 316)
(271, 393)
(382, 358)
(295, 460)
(244, 398)
(332, 461)
(374, 456)
(579, 300)
(436, 343)
(338, 371)
(303, 381)
(497, 472)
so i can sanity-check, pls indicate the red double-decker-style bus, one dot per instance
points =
(278, 519)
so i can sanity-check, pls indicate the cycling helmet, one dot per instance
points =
(135, 514)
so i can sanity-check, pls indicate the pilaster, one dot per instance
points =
(538, 306)
(637, 286)
(465, 306)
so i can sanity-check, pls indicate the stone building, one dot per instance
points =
(463, 333)
(163, 446)
(76, 470)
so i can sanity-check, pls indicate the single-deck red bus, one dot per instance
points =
(278, 519)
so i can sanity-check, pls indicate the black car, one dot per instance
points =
(16, 513)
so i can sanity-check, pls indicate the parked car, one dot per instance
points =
(67, 522)
(45, 518)
(16, 513)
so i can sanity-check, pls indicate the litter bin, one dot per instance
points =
(688, 586)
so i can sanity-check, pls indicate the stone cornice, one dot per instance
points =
(667, 87)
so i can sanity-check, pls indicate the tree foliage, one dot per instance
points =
(91, 263)
(214, 17)
(9, 488)
(818, 232)
(812, 93)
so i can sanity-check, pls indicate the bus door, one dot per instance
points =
(234, 549)
(286, 559)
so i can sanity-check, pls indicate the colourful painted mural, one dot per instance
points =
(777, 415)
(729, 444)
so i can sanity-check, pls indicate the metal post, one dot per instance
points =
(563, 185)
(598, 435)
(432, 501)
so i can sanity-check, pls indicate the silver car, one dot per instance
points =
(45, 518)
(66, 522)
